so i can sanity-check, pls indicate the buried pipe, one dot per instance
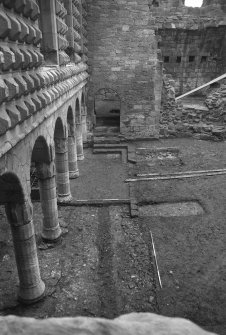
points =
(176, 176)
(179, 173)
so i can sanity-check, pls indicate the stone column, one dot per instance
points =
(79, 140)
(31, 288)
(72, 153)
(62, 170)
(47, 188)
(84, 125)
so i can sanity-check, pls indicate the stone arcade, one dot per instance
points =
(49, 82)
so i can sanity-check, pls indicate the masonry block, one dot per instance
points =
(28, 8)
(30, 38)
(13, 88)
(19, 5)
(34, 58)
(36, 79)
(76, 23)
(23, 109)
(19, 57)
(36, 101)
(38, 36)
(47, 97)
(8, 3)
(5, 121)
(13, 114)
(15, 28)
(29, 81)
(21, 83)
(24, 31)
(4, 91)
(9, 58)
(27, 58)
(5, 25)
(42, 99)
(35, 12)
(30, 105)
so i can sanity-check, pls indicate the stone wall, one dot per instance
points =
(192, 57)
(203, 118)
(42, 107)
(26, 86)
(191, 41)
(123, 57)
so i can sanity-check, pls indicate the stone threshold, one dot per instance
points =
(95, 202)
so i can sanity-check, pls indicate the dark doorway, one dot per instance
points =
(107, 109)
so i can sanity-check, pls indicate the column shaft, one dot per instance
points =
(84, 128)
(72, 157)
(62, 170)
(47, 188)
(79, 141)
(31, 287)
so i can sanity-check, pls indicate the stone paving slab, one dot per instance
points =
(101, 177)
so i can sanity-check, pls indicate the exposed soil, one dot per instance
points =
(101, 267)
(104, 265)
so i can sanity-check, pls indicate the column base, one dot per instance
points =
(73, 174)
(51, 234)
(80, 157)
(31, 295)
(64, 198)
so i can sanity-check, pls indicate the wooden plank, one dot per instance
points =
(201, 87)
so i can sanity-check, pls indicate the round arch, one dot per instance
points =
(40, 152)
(70, 121)
(11, 190)
(77, 112)
(83, 99)
(59, 129)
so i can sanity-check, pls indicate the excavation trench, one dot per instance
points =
(104, 264)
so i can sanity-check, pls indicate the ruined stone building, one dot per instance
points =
(61, 61)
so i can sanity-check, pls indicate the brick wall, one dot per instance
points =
(123, 57)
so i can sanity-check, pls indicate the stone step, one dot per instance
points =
(107, 150)
(110, 145)
(106, 140)
(96, 202)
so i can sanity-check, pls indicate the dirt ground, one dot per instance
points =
(104, 265)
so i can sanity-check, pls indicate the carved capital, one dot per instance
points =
(60, 145)
(19, 214)
(45, 171)
(71, 130)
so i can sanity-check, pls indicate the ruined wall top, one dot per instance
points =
(166, 3)
(220, 3)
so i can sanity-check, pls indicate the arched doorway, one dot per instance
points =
(19, 215)
(107, 107)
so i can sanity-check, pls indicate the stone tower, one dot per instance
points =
(123, 58)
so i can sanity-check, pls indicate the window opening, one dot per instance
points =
(203, 59)
(191, 59)
(166, 59)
